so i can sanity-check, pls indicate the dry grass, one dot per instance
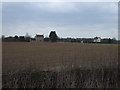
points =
(59, 59)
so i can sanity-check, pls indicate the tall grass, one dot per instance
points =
(72, 78)
(59, 65)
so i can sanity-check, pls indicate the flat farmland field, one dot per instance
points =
(20, 57)
(43, 55)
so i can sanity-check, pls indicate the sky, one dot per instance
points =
(68, 19)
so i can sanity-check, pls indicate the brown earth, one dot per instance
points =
(25, 56)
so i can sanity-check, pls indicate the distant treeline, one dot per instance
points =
(15, 39)
(20, 39)
(47, 39)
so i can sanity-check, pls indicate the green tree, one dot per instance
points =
(109, 40)
(15, 38)
(46, 39)
(53, 36)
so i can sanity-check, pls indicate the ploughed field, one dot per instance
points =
(25, 57)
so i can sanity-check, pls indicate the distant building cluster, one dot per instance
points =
(40, 38)
(83, 40)
(54, 38)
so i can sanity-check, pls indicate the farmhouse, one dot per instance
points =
(97, 39)
(39, 38)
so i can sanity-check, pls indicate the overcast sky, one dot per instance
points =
(68, 19)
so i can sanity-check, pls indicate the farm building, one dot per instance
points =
(97, 39)
(39, 38)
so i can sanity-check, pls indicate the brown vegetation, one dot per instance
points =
(62, 60)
